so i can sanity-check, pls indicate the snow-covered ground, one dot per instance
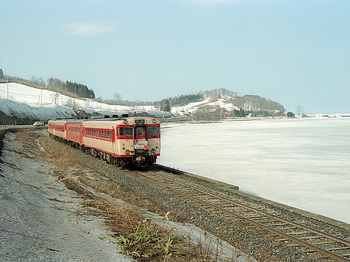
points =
(44, 113)
(303, 162)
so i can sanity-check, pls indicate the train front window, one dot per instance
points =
(125, 131)
(153, 131)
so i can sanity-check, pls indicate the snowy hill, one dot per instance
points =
(208, 103)
(20, 101)
(35, 96)
(248, 103)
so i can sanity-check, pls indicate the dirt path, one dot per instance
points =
(41, 223)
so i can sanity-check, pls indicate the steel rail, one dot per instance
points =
(288, 236)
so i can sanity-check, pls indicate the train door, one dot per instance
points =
(140, 141)
(140, 132)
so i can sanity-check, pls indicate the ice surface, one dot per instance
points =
(303, 162)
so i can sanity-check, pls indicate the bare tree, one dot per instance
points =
(299, 110)
(117, 98)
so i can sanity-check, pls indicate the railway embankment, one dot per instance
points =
(42, 220)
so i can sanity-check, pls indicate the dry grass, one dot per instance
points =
(59, 156)
(121, 218)
(29, 139)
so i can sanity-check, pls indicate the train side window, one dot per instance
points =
(125, 131)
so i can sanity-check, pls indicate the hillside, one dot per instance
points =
(23, 104)
(224, 100)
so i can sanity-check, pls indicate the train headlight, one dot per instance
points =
(153, 151)
(125, 121)
(127, 152)
(154, 120)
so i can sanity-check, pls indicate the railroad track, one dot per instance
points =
(296, 234)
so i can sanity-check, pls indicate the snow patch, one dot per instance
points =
(43, 113)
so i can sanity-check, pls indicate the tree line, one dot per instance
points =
(73, 87)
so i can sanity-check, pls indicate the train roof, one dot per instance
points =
(104, 119)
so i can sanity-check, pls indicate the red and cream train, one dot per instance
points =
(121, 141)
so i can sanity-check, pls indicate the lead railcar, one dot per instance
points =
(123, 141)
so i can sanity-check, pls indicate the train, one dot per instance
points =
(123, 141)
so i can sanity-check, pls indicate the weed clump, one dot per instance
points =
(149, 242)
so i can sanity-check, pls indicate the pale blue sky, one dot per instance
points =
(290, 51)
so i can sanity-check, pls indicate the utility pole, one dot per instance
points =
(7, 88)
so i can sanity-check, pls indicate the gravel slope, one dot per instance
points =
(40, 223)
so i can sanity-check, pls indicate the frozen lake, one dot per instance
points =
(304, 163)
